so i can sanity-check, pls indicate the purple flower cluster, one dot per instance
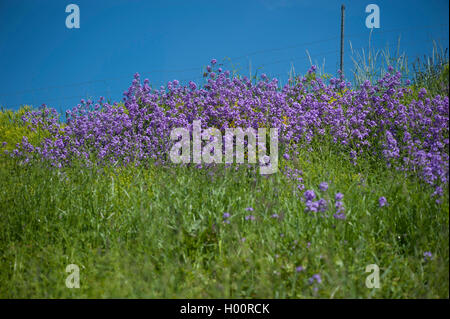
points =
(427, 256)
(339, 206)
(315, 278)
(382, 201)
(299, 268)
(309, 195)
(294, 175)
(384, 120)
(322, 205)
(226, 217)
(323, 186)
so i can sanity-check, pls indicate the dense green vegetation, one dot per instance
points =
(154, 232)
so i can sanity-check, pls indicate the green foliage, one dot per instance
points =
(12, 129)
(159, 232)
(431, 72)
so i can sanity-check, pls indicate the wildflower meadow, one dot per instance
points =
(361, 180)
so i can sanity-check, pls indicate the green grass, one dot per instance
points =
(158, 232)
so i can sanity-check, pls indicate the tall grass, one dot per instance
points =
(372, 64)
(159, 232)
(431, 72)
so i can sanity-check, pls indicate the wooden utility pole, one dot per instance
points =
(342, 39)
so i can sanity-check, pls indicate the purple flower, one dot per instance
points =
(312, 69)
(309, 195)
(192, 85)
(323, 205)
(427, 256)
(275, 215)
(339, 196)
(226, 215)
(312, 206)
(299, 269)
(323, 186)
(338, 205)
(382, 201)
(438, 191)
(250, 209)
(213, 61)
(250, 217)
(340, 216)
(315, 278)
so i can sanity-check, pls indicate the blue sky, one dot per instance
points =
(42, 61)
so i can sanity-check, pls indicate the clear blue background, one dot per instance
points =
(41, 61)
